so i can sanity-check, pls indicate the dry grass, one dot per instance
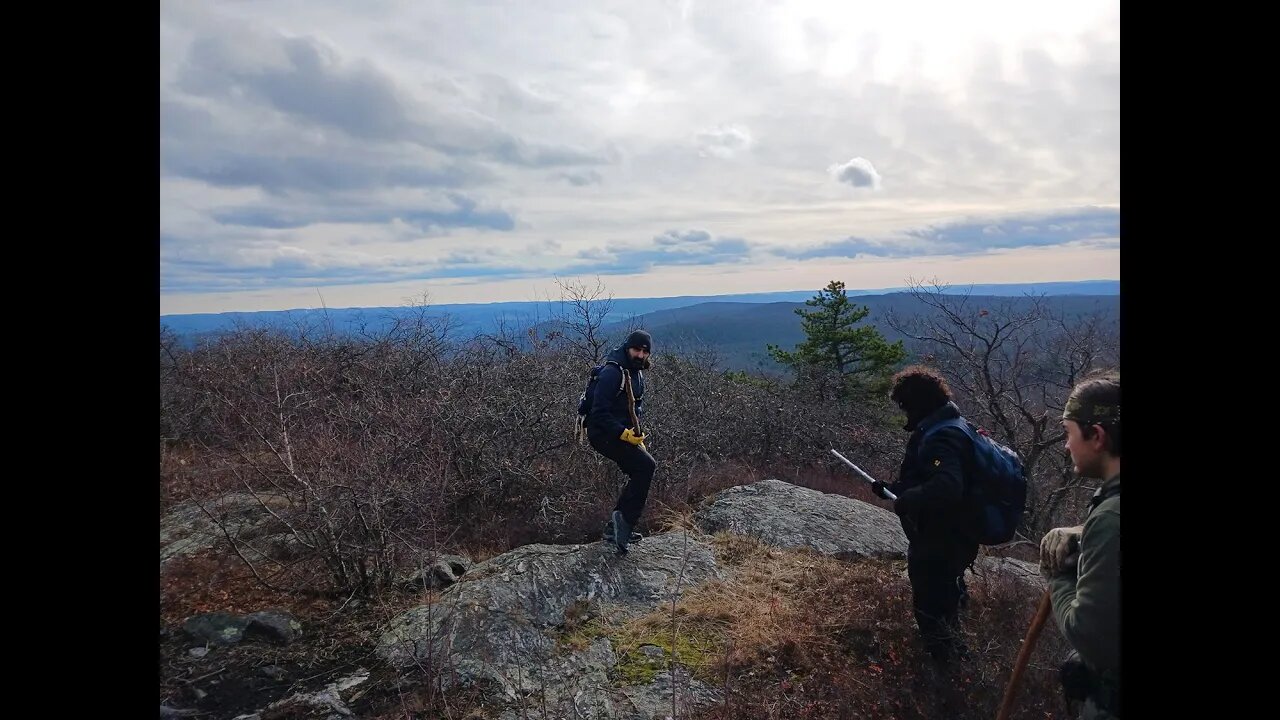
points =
(796, 634)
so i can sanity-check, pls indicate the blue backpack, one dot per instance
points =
(999, 492)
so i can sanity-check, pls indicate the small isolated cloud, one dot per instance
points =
(724, 141)
(858, 172)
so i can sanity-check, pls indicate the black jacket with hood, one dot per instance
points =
(609, 415)
(932, 483)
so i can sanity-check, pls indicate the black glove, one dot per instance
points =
(908, 503)
(880, 489)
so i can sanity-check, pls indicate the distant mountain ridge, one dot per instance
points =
(470, 319)
(741, 332)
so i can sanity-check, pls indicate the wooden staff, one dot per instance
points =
(1024, 655)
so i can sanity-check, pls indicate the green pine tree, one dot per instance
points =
(860, 356)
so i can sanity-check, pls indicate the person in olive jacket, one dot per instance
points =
(1082, 563)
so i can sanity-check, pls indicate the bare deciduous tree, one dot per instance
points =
(583, 311)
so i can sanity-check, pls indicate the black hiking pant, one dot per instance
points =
(938, 592)
(638, 465)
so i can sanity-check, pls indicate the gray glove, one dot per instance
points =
(1059, 550)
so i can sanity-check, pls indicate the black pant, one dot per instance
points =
(639, 467)
(938, 591)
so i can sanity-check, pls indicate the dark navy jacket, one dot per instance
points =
(933, 478)
(609, 415)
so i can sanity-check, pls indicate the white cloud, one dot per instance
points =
(724, 141)
(858, 172)
(330, 124)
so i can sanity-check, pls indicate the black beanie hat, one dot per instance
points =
(640, 339)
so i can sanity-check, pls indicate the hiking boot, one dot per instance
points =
(621, 532)
(607, 533)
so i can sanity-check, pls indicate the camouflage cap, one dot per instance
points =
(1091, 414)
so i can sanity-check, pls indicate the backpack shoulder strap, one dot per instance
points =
(959, 422)
(618, 365)
(953, 422)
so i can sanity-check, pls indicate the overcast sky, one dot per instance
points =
(372, 153)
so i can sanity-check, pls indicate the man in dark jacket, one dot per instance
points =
(1082, 563)
(613, 430)
(932, 507)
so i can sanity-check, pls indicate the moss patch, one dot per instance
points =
(646, 647)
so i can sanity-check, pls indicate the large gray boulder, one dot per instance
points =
(789, 517)
(502, 626)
